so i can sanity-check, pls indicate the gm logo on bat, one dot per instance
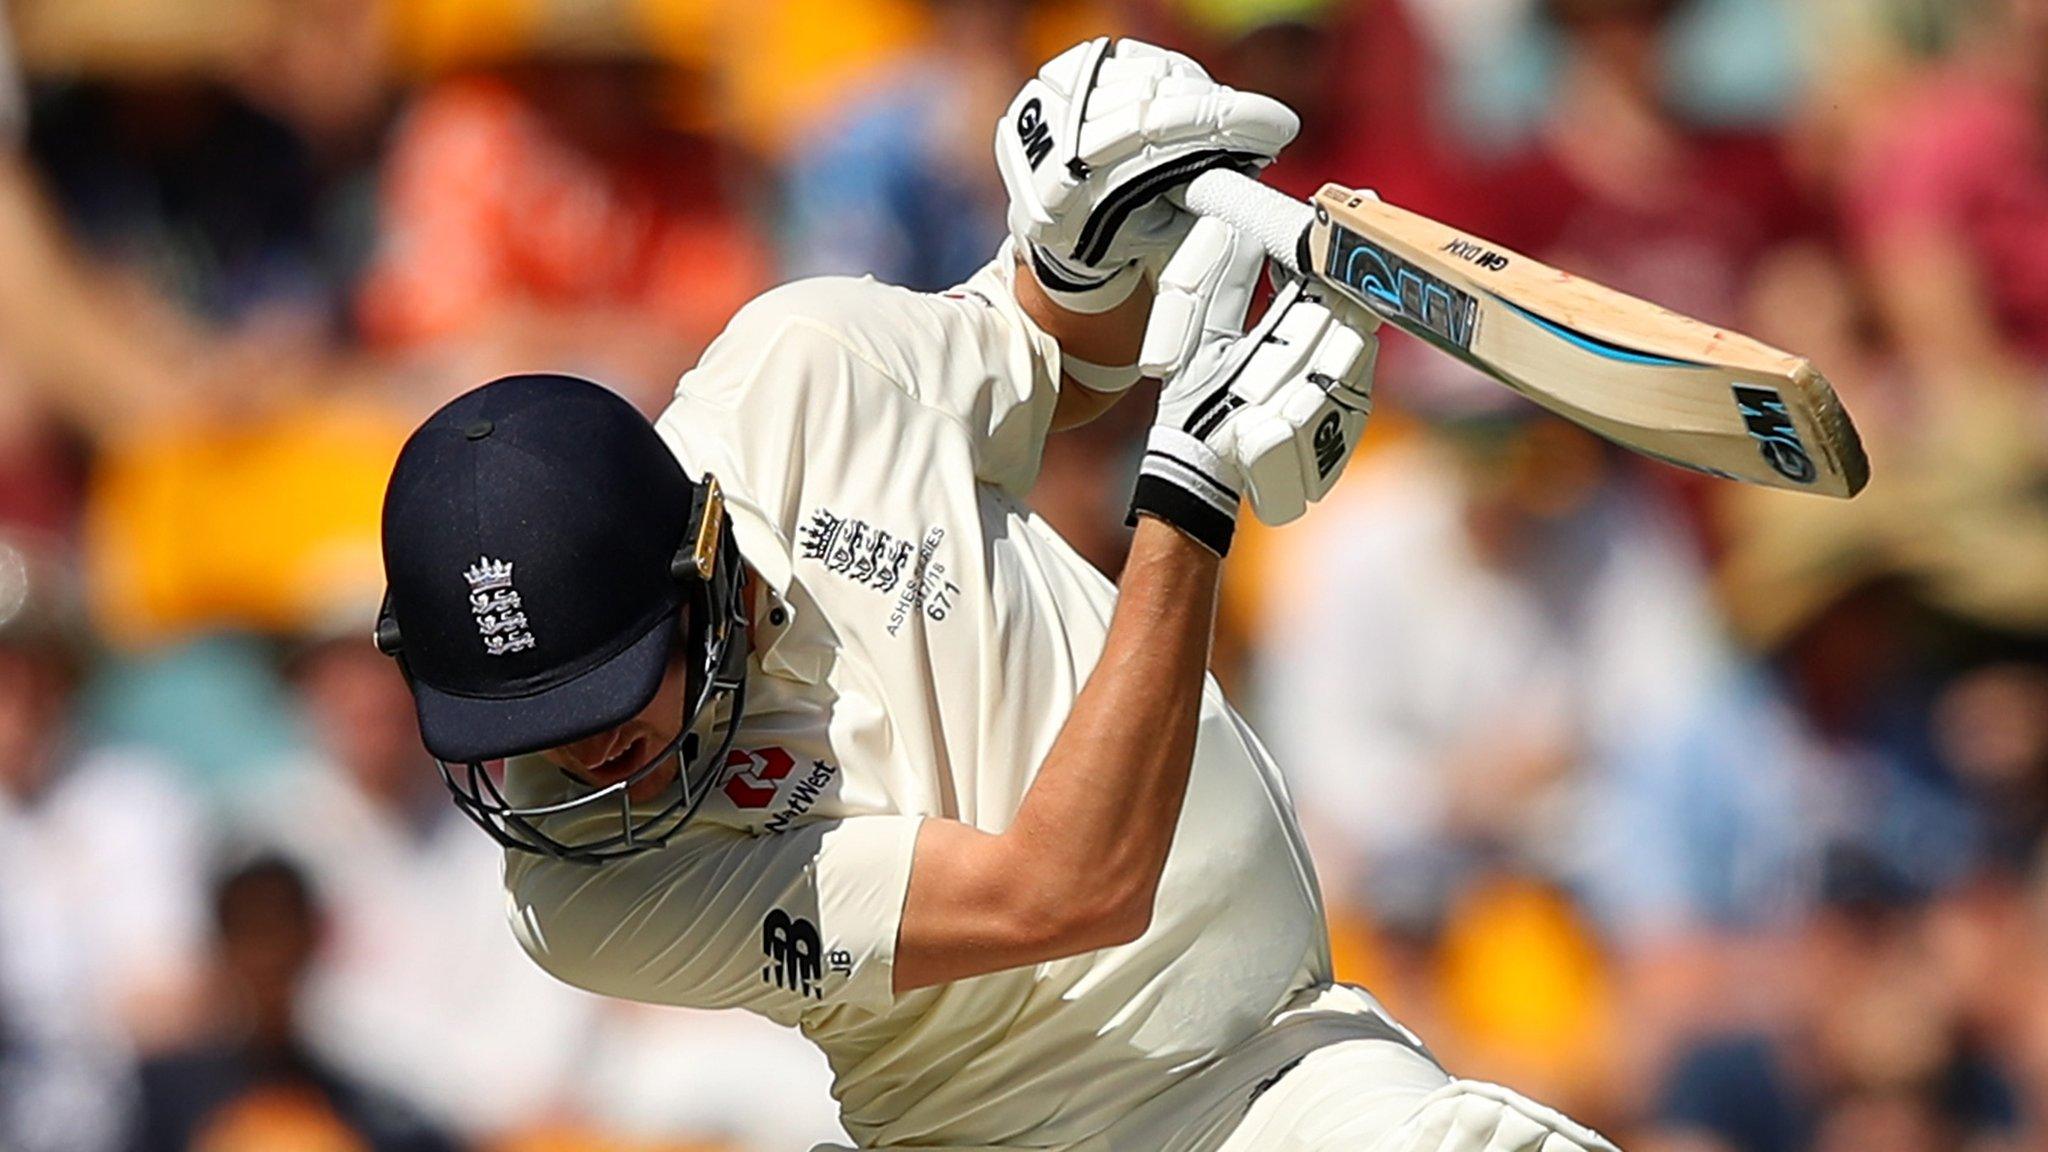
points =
(1475, 253)
(1770, 425)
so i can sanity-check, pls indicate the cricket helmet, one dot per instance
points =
(547, 559)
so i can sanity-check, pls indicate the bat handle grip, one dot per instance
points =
(1276, 220)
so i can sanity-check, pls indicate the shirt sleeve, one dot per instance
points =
(970, 354)
(784, 925)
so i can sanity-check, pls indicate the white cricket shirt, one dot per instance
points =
(874, 445)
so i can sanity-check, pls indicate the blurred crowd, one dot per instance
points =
(1715, 816)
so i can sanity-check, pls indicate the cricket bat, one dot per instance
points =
(1649, 379)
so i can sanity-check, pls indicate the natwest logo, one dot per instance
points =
(754, 775)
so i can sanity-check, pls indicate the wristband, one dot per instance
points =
(1185, 483)
(1100, 377)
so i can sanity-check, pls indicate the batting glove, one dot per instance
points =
(1276, 411)
(1093, 147)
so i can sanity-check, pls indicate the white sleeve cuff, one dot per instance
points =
(863, 878)
(1099, 378)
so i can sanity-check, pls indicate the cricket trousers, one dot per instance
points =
(1377, 1096)
(1334, 1074)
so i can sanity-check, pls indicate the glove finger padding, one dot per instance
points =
(1126, 118)
(1287, 339)
(1203, 296)
(1271, 463)
(1272, 413)
(1269, 454)
(1321, 397)
(1093, 147)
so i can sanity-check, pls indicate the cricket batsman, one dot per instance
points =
(787, 702)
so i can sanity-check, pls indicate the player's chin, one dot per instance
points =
(654, 785)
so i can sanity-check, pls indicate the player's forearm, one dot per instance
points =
(1078, 868)
(1099, 818)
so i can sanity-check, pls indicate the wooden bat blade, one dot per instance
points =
(1645, 377)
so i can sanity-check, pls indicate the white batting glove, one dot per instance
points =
(1276, 411)
(1094, 147)
(1294, 444)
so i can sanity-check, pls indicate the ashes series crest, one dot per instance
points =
(496, 606)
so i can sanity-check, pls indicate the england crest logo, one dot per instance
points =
(500, 619)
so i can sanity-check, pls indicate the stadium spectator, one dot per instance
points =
(1507, 627)
(1869, 1051)
(255, 1083)
(1500, 658)
(1619, 185)
(195, 191)
(74, 360)
(100, 908)
(420, 986)
(1339, 65)
(1946, 193)
(895, 183)
(548, 212)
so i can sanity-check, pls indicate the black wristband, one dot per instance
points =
(1178, 483)
(1163, 500)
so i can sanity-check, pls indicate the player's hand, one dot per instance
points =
(1095, 145)
(1274, 412)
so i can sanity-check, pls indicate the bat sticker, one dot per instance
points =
(1598, 347)
(1403, 291)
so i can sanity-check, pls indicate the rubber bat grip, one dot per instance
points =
(1276, 220)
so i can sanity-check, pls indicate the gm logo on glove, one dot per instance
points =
(1329, 444)
(1032, 131)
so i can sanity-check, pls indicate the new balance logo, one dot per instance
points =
(795, 955)
(1032, 132)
